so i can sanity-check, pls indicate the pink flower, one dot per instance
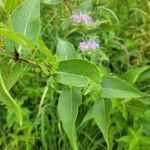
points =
(79, 17)
(89, 45)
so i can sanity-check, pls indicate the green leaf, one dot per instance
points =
(20, 39)
(80, 67)
(44, 49)
(1, 4)
(6, 98)
(65, 50)
(68, 104)
(51, 2)
(71, 79)
(132, 142)
(132, 75)
(10, 72)
(145, 140)
(145, 75)
(136, 140)
(113, 87)
(119, 120)
(49, 57)
(144, 123)
(26, 19)
(100, 112)
(10, 5)
(103, 55)
(137, 108)
(134, 145)
(85, 5)
(111, 12)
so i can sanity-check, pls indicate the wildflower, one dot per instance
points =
(79, 17)
(89, 45)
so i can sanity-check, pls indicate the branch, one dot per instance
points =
(20, 59)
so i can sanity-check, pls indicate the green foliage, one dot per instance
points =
(74, 73)
(132, 75)
(69, 101)
(100, 112)
(11, 72)
(9, 101)
(57, 91)
(6, 33)
(71, 79)
(80, 67)
(11, 5)
(65, 50)
(26, 19)
(51, 1)
(117, 88)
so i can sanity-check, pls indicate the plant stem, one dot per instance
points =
(43, 97)
(20, 59)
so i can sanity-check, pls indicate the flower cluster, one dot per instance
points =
(89, 45)
(82, 17)
(79, 17)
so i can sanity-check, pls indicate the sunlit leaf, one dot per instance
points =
(26, 19)
(11, 5)
(20, 39)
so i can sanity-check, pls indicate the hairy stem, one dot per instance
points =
(20, 59)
